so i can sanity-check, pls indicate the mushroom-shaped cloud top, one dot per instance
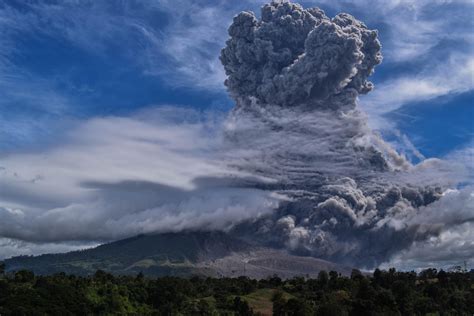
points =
(296, 56)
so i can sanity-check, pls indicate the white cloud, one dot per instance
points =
(13, 247)
(454, 76)
(464, 158)
(115, 177)
(453, 214)
(192, 42)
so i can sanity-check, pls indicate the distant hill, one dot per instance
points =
(178, 254)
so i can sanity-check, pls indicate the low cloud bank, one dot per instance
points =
(117, 177)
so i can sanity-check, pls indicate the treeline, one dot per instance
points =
(383, 293)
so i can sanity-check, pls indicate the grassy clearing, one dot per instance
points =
(261, 300)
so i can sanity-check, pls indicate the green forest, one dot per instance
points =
(430, 292)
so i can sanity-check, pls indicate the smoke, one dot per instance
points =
(296, 56)
(296, 75)
(294, 165)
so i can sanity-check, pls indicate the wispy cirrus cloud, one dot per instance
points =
(60, 61)
(454, 76)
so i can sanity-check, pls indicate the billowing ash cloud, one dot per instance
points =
(295, 75)
(294, 56)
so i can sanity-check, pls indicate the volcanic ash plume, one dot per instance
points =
(295, 56)
(295, 75)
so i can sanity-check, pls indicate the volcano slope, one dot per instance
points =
(180, 254)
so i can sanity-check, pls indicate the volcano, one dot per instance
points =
(204, 254)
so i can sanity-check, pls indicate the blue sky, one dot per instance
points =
(77, 74)
(64, 61)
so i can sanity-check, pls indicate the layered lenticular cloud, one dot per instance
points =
(118, 177)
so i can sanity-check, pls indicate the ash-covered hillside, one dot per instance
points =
(179, 254)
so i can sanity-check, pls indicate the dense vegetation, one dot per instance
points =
(383, 293)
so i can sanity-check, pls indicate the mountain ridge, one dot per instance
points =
(213, 254)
